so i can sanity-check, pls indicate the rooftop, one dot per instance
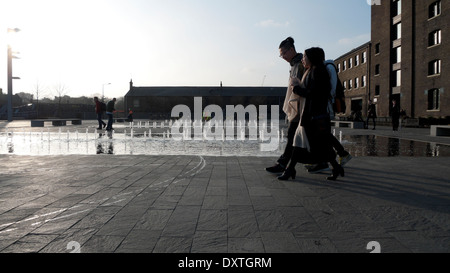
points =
(175, 91)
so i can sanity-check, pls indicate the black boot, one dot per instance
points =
(338, 170)
(276, 169)
(288, 173)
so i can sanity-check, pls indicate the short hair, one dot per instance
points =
(287, 43)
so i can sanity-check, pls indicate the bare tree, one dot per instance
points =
(61, 90)
(38, 90)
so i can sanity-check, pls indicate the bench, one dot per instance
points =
(440, 130)
(347, 124)
(55, 122)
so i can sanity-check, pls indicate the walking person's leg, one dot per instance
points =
(337, 171)
(99, 119)
(110, 122)
(344, 156)
(284, 159)
(299, 155)
(103, 123)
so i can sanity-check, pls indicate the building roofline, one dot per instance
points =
(354, 50)
(206, 90)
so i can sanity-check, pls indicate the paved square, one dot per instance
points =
(217, 204)
(195, 204)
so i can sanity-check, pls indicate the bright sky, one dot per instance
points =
(85, 44)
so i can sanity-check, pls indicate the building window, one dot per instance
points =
(339, 68)
(345, 65)
(434, 68)
(350, 84)
(357, 60)
(356, 82)
(434, 9)
(363, 81)
(397, 56)
(397, 33)
(397, 8)
(433, 99)
(397, 78)
(434, 38)
(377, 90)
(136, 103)
(345, 85)
(377, 69)
(364, 57)
(350, 63)
(377, 48)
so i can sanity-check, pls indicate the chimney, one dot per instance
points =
(131, 84)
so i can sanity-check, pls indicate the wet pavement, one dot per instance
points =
(227, 204)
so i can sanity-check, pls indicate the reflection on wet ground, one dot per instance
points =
(142, 144)
(370, 145)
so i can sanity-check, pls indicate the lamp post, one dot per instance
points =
(10, 77)
(103, 91)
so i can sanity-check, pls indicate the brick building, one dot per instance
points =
(157, 102)
(408, 63)
(354, 70)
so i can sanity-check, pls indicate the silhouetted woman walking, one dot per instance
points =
(311, 143)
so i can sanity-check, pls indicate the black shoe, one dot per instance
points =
(99, 128)
(275, 169)
(322, 167)
(288, 173)
(336, 172)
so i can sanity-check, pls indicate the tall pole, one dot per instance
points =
(10, 77)
(10, 84)
(103, 91)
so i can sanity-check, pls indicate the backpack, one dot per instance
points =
(339, 101)
(103, 106)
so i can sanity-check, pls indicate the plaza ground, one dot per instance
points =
(213, 204)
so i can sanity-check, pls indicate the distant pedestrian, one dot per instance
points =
(110, 112)
(99, 111)
(395, 115)
(371, 114)
(130, 116)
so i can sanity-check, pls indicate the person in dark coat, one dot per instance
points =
(312, 144)
(110, 112)
(371, 114)
(395, 115)
(99, 112)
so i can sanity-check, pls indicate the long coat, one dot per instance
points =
(315, 121)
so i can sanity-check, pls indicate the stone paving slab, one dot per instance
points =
(196, 204)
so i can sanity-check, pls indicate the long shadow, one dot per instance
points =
(381, 185)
